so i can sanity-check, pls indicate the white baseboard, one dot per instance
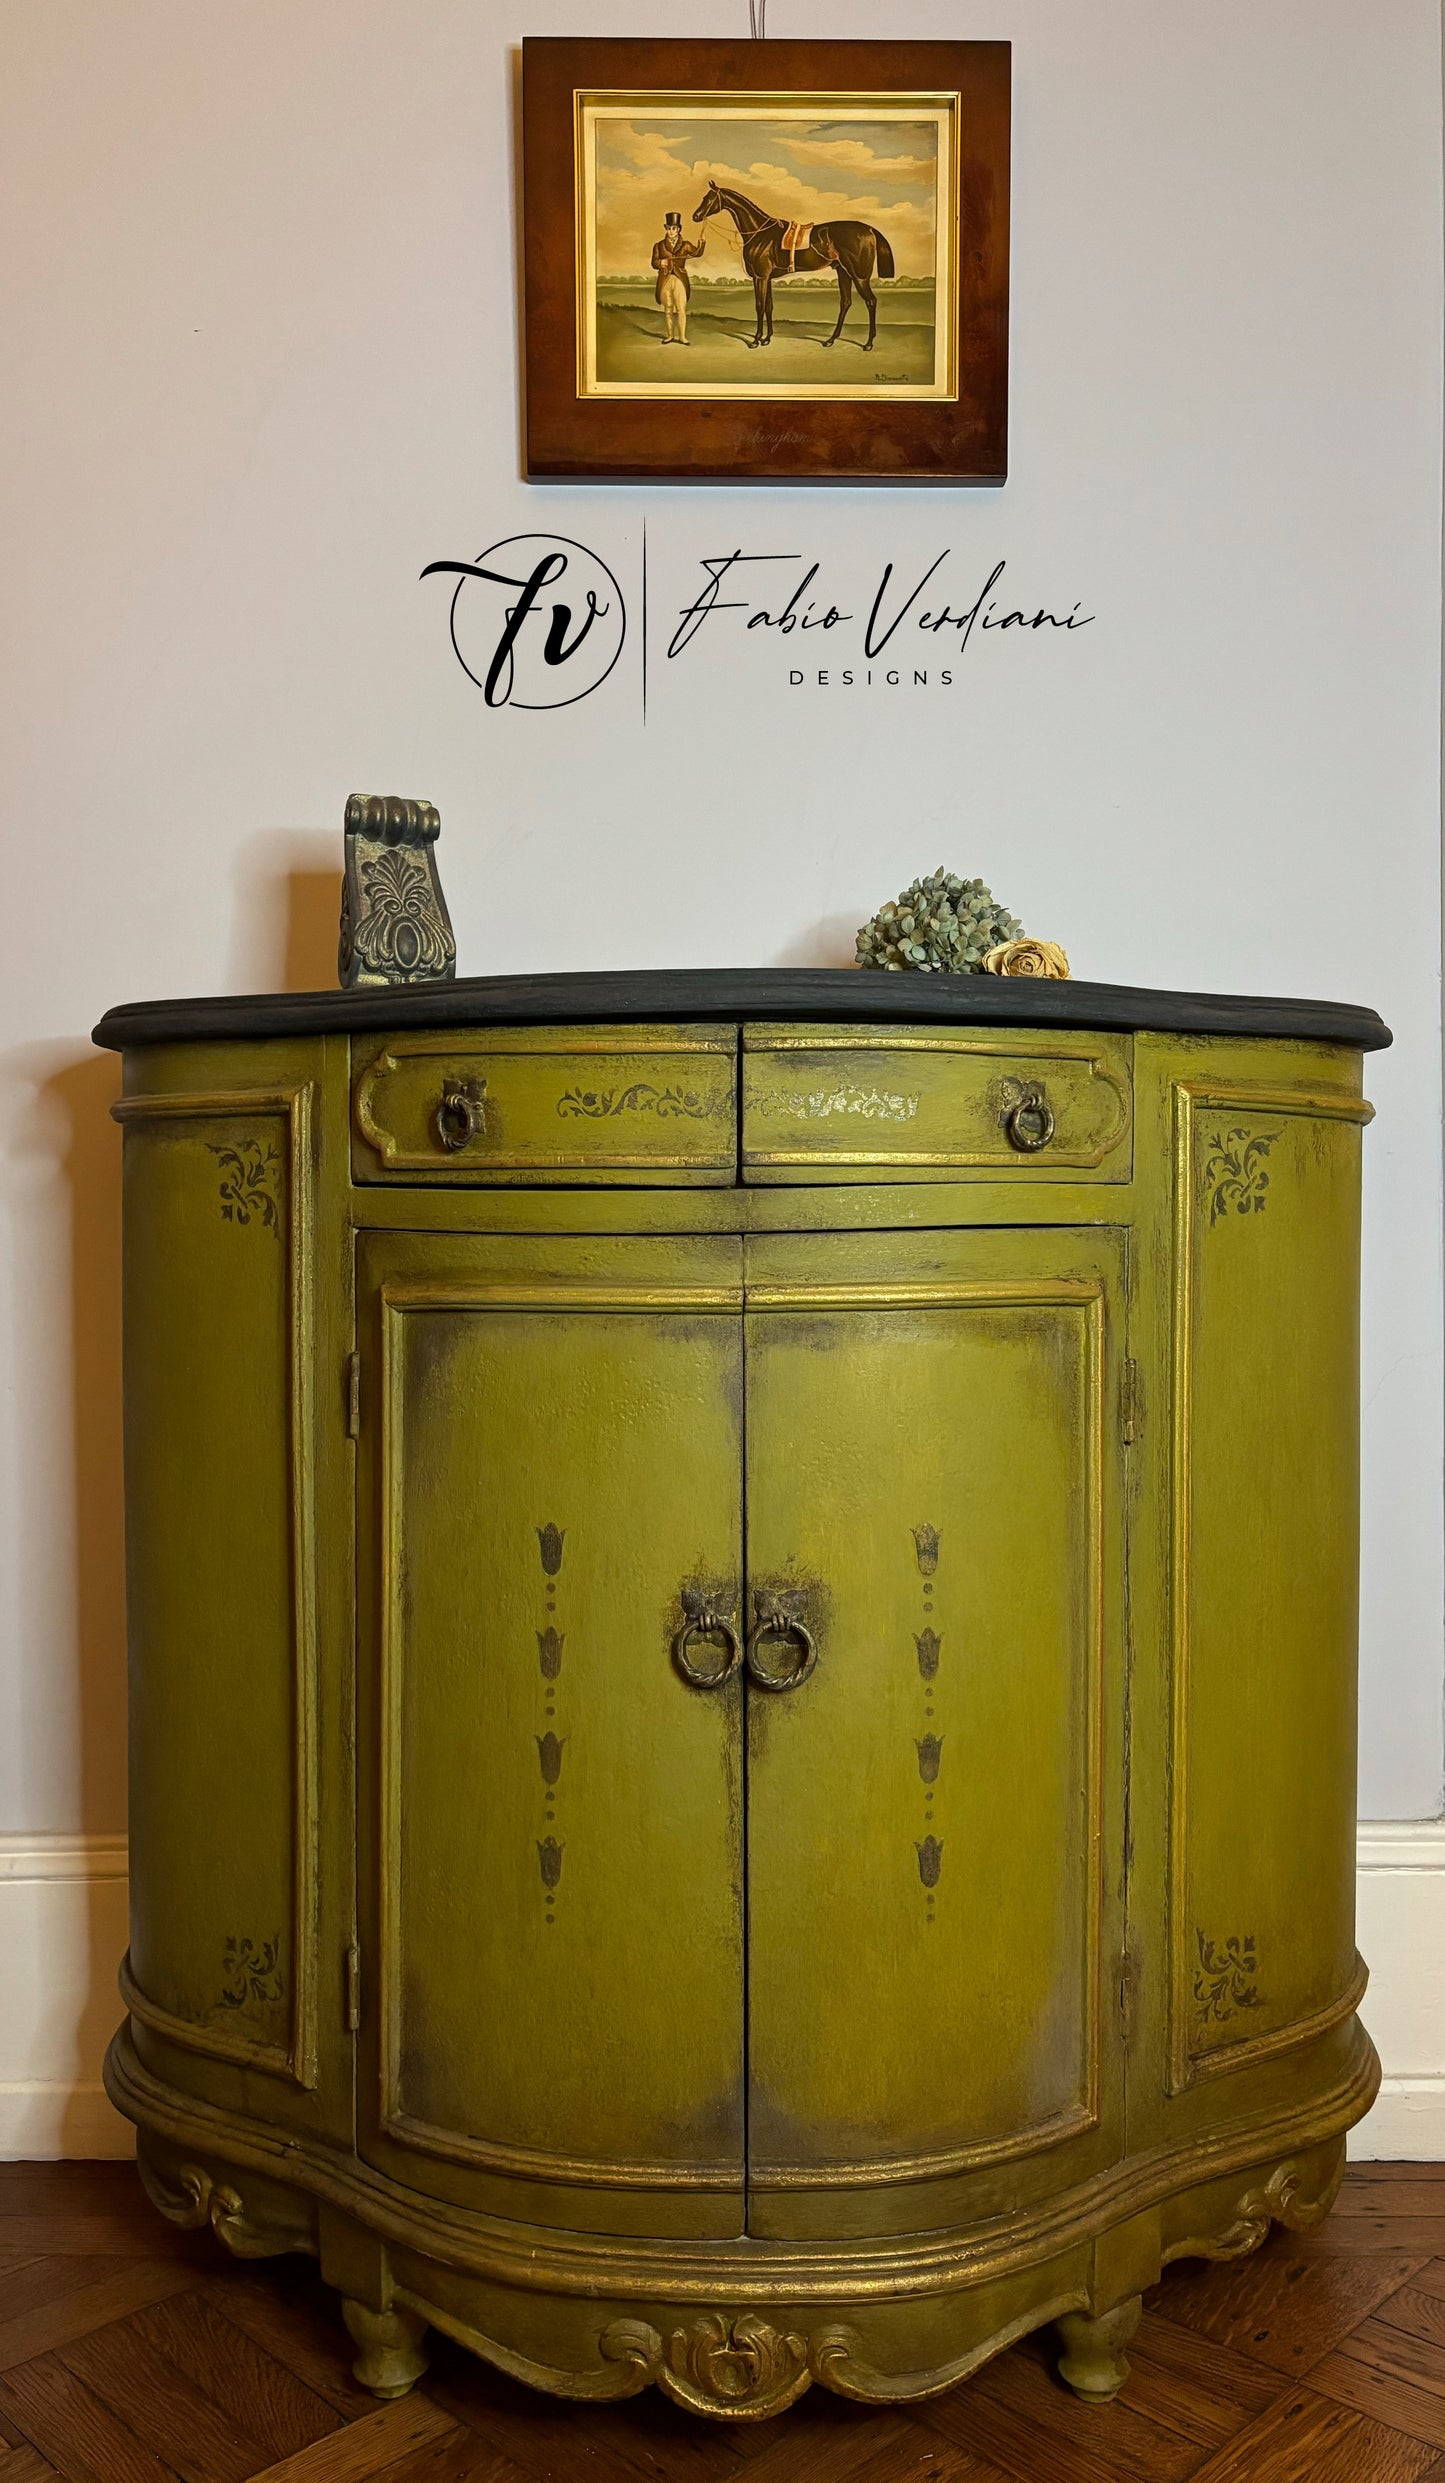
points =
(1401, 1901)
(62, 1936)
(63, 1931)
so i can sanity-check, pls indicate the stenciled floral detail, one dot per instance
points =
(550, 1540)
(250, 1181)
(1225, 1981)
(928, 1643)
(549, 1755)
(252, 1973)
(1235, 1173)
(863, 1103)
(930, 1859)
(549, 1857)
(670, 1103)
(926, 1540)
(550, 1643)
(401, 932)
(930, 1754)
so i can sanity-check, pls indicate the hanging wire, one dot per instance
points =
(757, 19)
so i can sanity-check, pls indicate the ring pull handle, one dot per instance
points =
(780, 1616)
(1029, 1121)
(703, 1621)
(461, 1115)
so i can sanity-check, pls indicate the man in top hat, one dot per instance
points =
(670, 257)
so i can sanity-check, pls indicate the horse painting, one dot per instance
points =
(773, 248)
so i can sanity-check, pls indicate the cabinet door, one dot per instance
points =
(552, 1950)
(935, 1811)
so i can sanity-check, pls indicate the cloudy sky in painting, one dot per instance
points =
(881, 172)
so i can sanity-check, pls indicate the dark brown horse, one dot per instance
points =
(855, 252)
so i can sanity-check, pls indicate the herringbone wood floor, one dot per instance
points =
(133, 2354)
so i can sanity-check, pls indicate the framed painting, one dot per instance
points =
(774, 261)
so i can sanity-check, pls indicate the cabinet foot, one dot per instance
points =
(1093, 2361)
(392, 2357)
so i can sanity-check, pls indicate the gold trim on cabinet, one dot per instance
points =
(1088, 1294)
(394, 1301)
(1185, 2066)
(294, 1105)
(545, 1042)
(759, 1041)
(607, 2267)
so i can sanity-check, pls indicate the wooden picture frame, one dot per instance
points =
(865, 343)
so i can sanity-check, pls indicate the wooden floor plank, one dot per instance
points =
(1282, 2307)
(1303, 2438)
(295, 2328)
(373, 2445)
(1396, 2378)
(461, 2459)
(25, 2465)
(163, 2407)
(84, 2441)
(256, 2392)
(1017, 2416)
(132, 2287)
(1194, 2386)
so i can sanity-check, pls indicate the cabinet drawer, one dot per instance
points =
(837, 1104)
(563, 1104)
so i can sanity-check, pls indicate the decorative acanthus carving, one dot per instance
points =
(196, 2200)
(1280, 2200)
(1235, 1173)
(744, 2368)
(250, 1181)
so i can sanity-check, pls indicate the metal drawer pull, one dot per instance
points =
(704, 1622)
(461, 1115)
(1029, 1121)
(778, 1617)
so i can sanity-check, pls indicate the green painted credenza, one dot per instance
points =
(742, 1606)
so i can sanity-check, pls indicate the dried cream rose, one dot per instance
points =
(1039, 957)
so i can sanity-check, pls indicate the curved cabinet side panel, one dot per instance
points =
(219, 1569)
(1263, 1504)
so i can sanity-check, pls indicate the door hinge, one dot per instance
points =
(1131, 1395)
(1128, 1989)
(353, 1396)
(353, 1989)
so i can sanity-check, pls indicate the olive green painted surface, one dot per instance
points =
(1244, 1576)
(220, 1930)
(899, 1103)
(1265, 1566)
(633, 1104)
(934, 1461)
(552, 1453)
(1122, 1393)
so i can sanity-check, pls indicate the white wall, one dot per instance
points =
(259, 312)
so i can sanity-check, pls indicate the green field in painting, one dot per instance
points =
(631, 337)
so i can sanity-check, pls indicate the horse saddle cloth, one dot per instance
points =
(796, 237)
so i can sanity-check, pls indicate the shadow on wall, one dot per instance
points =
(62, 1892)
(287, 911)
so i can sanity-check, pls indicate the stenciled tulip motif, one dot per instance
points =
(930, 1752)
(550, 1643)
(550, 1540)
(930, 1860)
(549, 1756)
(928, 1644)
(549, 1856)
